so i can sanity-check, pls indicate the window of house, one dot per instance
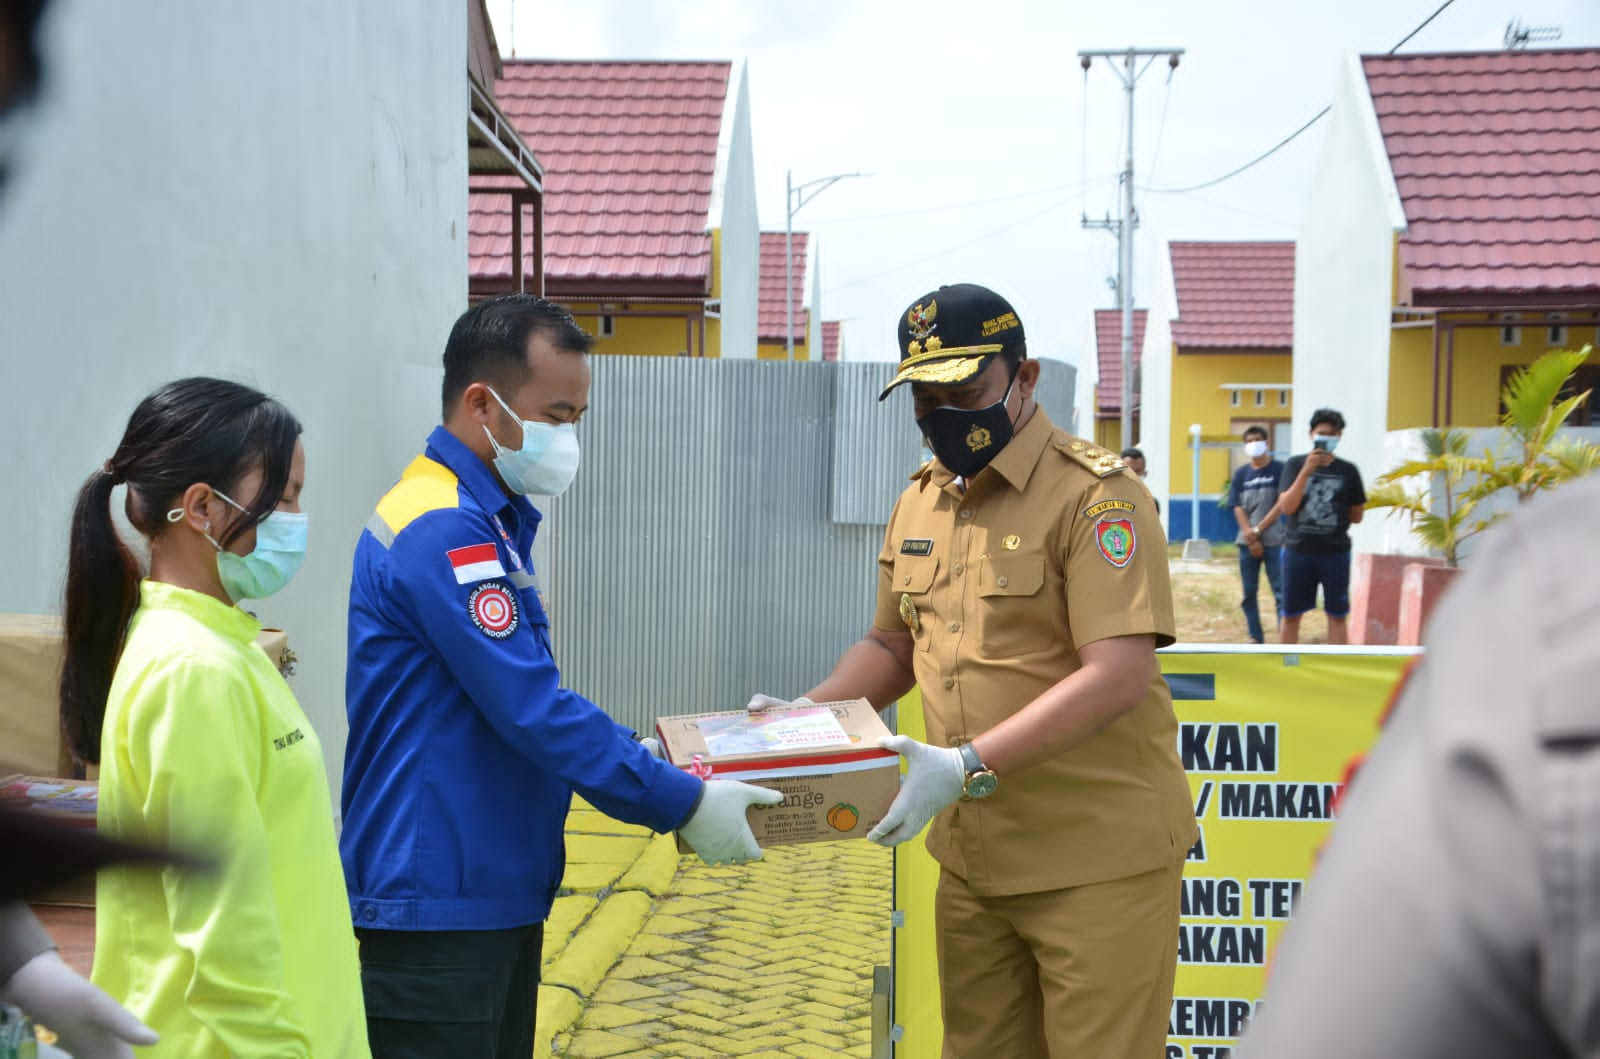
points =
(1510, 334)
(1233, 398)
(608, 326)
(1557, 335)
(1261, 398)
(1283, 398)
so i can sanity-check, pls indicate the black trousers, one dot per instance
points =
(450, 994)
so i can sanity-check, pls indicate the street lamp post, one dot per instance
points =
(794, 197)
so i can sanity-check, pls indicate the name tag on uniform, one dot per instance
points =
(916, 546)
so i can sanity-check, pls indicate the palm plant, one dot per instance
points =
(1539, 460)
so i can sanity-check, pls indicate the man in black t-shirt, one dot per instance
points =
(1323, 496)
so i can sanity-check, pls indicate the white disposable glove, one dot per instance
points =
(89, 1023)
(761, 702)
(718, 830)
(935, 779)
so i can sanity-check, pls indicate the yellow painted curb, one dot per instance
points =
(600, 942)
(655, 869)
(558, 1011)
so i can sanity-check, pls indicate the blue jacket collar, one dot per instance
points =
(479, 478)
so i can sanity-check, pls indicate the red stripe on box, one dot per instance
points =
(473, 553)
(808, 761)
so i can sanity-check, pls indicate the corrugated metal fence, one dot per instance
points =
(721, 537)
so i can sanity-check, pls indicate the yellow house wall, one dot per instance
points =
(1479, 357)
(647, 336)
(779, 351)
(1198, 397)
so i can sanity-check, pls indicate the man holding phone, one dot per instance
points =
(1323, 496)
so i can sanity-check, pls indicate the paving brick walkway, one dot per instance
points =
(767, 959)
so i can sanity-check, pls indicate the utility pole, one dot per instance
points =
(1129, 220)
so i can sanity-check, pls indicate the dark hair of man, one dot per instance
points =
(1255, 432)
(1328, 416)
(1014, 353)
(1131, 453)
(489, 343)
(191, 431)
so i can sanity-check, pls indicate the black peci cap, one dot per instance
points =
(950, 335)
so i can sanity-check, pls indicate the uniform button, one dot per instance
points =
(966, 513)
(959, 568)
(949, 682)
(1001, 582)
(907, 580)
(955, 626)
(369, 913)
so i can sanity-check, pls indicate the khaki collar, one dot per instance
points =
(1015, 463)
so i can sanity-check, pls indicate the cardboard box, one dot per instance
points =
(836, 780)
(30, 679)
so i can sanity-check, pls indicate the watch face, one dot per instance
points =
(981, 784)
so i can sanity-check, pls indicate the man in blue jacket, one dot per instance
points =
(464, 748)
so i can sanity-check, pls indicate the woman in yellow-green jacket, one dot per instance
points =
(201, 744)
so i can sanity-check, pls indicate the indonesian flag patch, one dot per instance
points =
(494, 610)
(476, 562)
(1115, 540)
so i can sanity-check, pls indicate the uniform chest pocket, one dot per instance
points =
(912, 581)
(1014, 614)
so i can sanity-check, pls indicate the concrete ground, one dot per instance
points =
(651, 954)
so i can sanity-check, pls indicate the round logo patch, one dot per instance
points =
(494, 610)
(1116, 541)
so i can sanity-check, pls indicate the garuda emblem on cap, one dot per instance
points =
(922, 322)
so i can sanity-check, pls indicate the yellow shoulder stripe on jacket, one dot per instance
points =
(1102, 463)
(426, 486)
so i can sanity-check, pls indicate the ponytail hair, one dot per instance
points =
(102, 592)
(193, 430)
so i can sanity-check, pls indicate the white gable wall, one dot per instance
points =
(1344, 260)
(733, 208)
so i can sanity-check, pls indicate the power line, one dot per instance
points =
(1275, 148)
(936, 254)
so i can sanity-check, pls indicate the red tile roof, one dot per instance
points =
(1497, 160)
(630, 154)
(770, 316)
(1108, 348)
(1234, 296)
(830, 340)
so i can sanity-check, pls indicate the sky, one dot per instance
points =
(985, 144)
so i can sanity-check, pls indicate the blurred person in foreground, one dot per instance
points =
(1455, 911)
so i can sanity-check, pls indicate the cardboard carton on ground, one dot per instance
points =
(836, 780)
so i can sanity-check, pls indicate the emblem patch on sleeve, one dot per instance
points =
(493, 608)
(1115, 539)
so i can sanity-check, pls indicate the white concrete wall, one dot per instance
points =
(1344, 259)
(1155, 419)
(1088, 376)
(273, 193)
(1391, 533)
(734, 210)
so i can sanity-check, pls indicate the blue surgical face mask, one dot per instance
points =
(1325, 441)
(545, 464)
(272, 563)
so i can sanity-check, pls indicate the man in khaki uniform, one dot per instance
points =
(1023, 585)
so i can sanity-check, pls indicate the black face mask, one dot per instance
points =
(966, 439)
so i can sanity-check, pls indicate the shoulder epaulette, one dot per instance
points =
(1102, 463)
